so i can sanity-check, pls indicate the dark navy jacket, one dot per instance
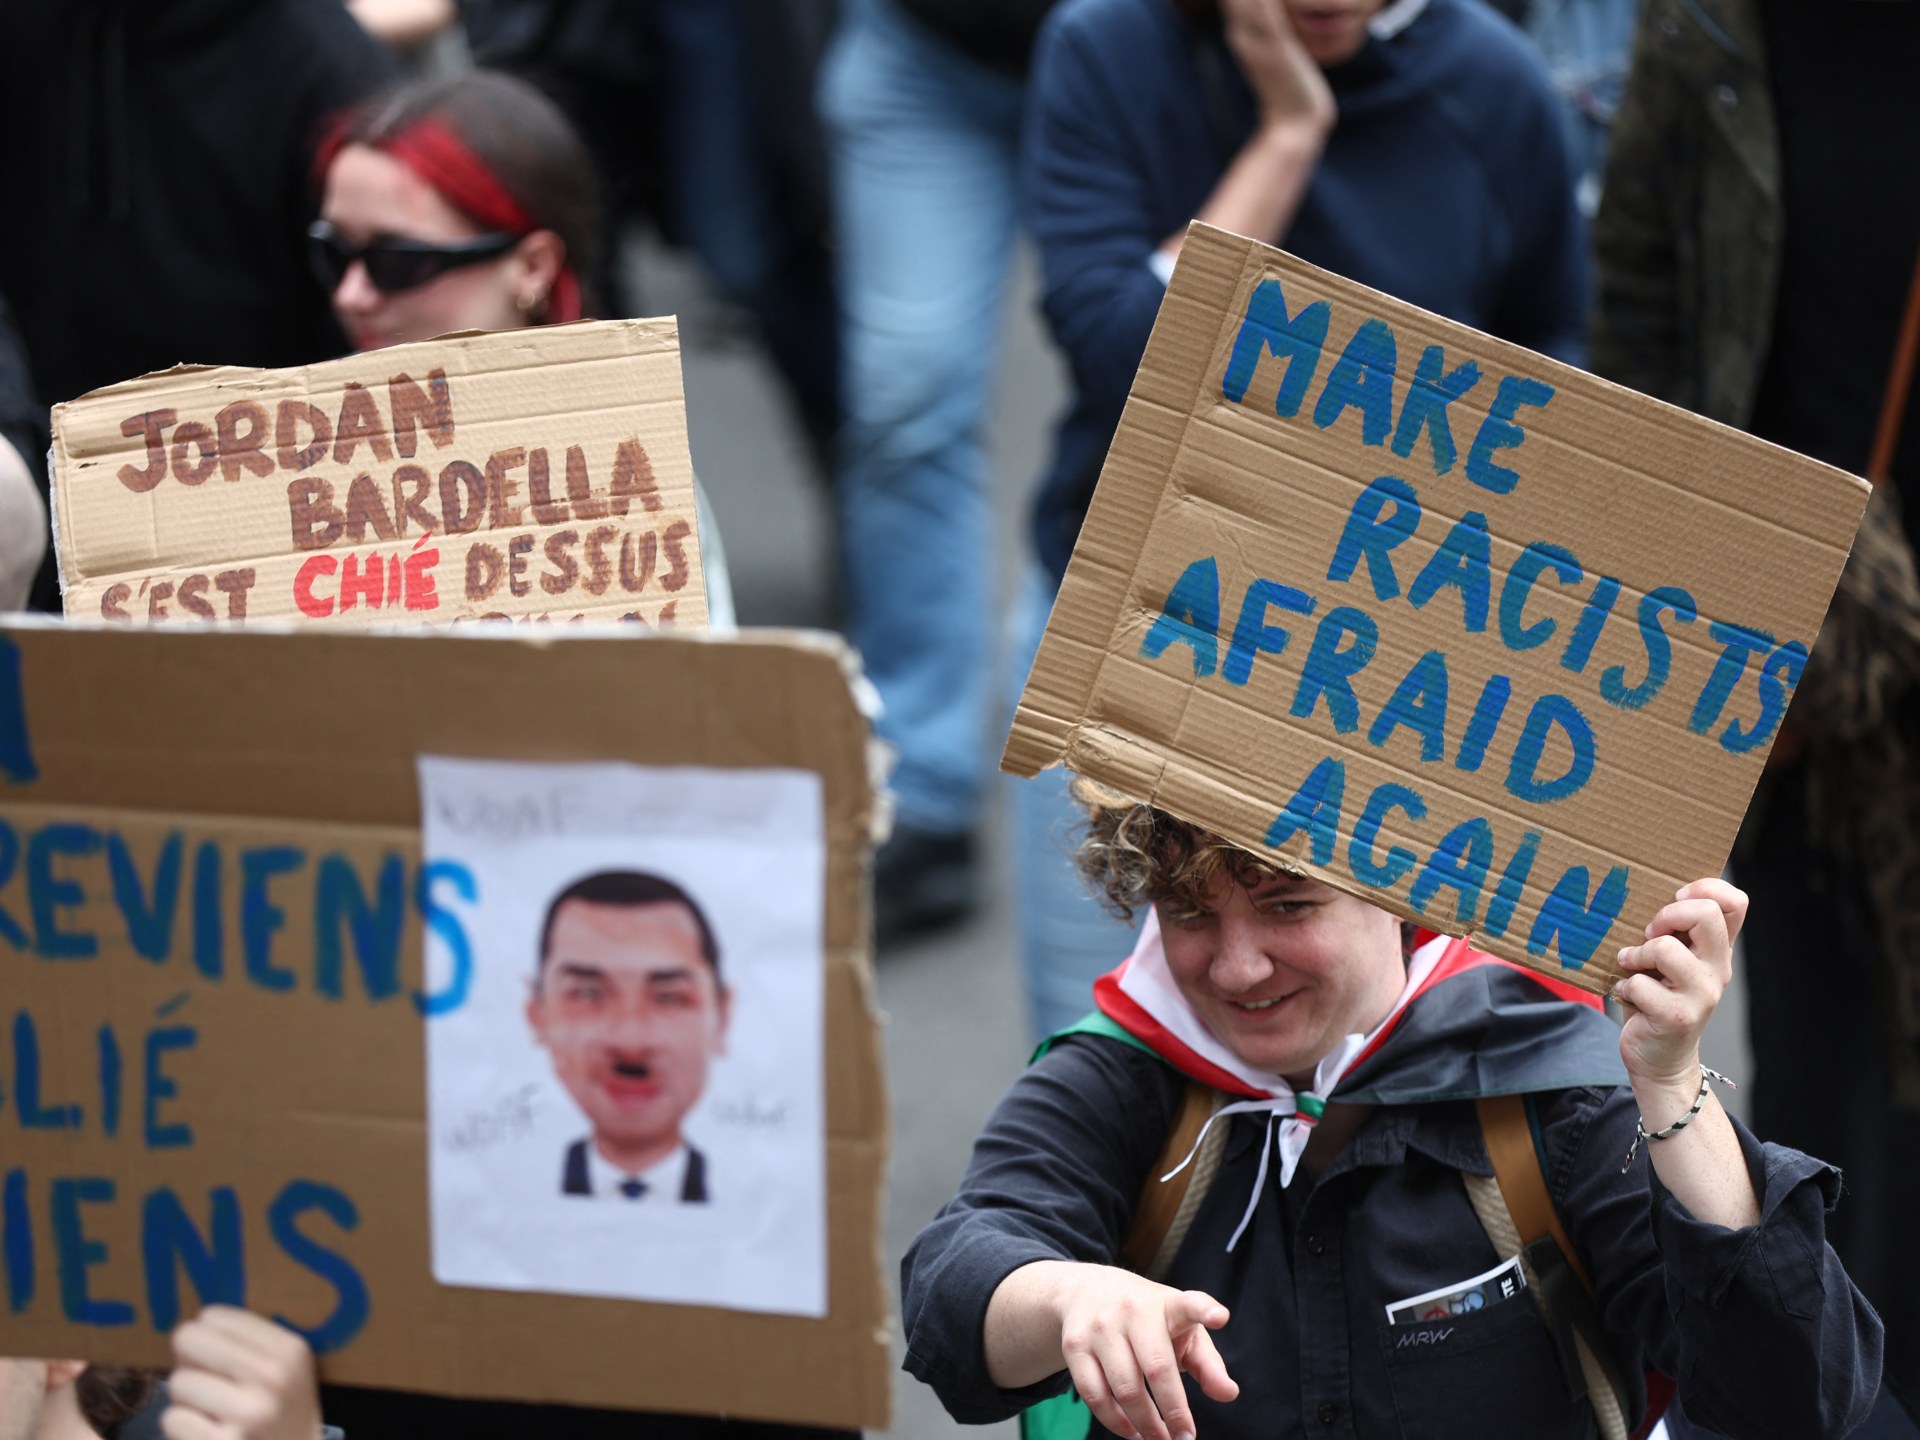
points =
(1445, 183)
(1762, 1329)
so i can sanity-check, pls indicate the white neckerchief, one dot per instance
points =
(1148, 982)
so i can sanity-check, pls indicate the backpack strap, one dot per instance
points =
(1518, 1215)
(1166, 1206)
(1520, 1170)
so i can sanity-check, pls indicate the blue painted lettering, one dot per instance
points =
(260, 918)
(1251, 633)
(1315, 809)
(1461, 563)
(340, 902)
(1741, 642)
(1533, 561)
(1268, 330)
(1550, 713)
(160, 1087)
(169, 1242)
(1460, 863)
(349, 1314)
(1330, 667)
(1367, 534)
(149, 913)
(48, 894)
(1432, 391)
(453, 935)
(1579, 926)
(1362, 378)
(1613, 680)
(1381, 874)
(1487, 712)
(1593, 620)
(1190, 617)
(1498, 432)
(77, 1254)
(1419, 702)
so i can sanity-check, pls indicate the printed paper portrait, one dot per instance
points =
(629, 1100)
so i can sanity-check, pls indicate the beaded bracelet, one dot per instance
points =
(1640, 1131)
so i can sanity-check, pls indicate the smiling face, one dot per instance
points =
(631, 1013)
(1281, 973)
(371, 196)
(1332, 31)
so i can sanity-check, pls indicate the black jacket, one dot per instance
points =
(157, 162)
(1762, 1329)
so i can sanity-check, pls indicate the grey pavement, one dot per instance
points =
(956, 1030)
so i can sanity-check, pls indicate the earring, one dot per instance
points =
(530, 303)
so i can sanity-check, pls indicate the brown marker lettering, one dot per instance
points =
(235, 584)
(364, 508)
(518, 549)
(188, 436)
(359, 420)
(411, 484)
(193, 593)
(565, 568)
(677, 567)
(317, 522)
(411, 407)
(242, 449)
(580, 488)
(633, 475)
(546, 510)
(153, 425)
(456, 518)
(484, 569)
(501, 488)
(634, 578)
(600, 569)
(286, 434)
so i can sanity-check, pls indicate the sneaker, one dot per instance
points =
(923, 880)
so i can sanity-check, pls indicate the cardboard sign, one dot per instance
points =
(538, 474)
(213, 911)
(1459, 629)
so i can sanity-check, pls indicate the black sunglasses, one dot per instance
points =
(395, 263)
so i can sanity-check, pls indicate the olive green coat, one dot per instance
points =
(1688, 243)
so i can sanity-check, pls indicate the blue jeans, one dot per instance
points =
(1067, 940)
(923, 144)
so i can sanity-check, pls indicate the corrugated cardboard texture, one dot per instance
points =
(1231, 478)
(534, 474)
(254, 741)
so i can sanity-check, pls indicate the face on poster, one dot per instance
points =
(629, 1099)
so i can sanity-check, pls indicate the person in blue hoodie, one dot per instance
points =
(1415, 146)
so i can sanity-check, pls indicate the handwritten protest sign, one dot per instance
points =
(1460, 629)
(216, 919)
(530, 474)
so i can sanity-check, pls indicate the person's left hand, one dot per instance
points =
(1674, 982)
(239, 1376)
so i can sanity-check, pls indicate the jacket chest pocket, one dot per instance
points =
(1489, 1372)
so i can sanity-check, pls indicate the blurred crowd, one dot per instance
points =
(1711, 201)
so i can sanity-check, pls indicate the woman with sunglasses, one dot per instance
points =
(454, 204)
